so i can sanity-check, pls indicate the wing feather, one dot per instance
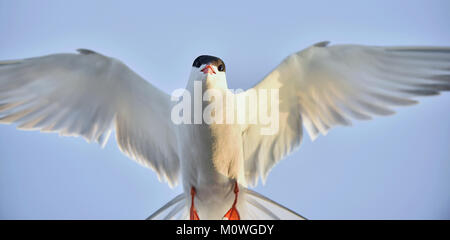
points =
(89, 95)
(325, 86)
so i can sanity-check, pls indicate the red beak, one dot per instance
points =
(208, 70)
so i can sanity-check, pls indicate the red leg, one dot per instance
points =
(193, 212)
(233, 213)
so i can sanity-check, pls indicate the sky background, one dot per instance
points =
(395, 167)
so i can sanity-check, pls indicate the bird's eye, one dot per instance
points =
(220, 68)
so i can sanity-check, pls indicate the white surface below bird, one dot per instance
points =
(89, 95)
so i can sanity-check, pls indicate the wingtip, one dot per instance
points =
(322, 44)
(313, 136)
(86, 51)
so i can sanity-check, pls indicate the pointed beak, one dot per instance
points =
(208, 70)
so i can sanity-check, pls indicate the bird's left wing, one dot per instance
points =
(325, 86)
(89, 95)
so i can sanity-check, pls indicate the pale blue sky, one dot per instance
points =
(396, 167)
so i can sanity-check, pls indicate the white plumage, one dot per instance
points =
(322, 87)
(90, 95)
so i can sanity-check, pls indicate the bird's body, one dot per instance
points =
(213, 161)
(213, 189)
(89, 95)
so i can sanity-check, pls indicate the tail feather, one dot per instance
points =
(261, 207)
(174, 209)
(253, 206)
(177, 212)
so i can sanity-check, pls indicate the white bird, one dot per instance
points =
(89, 95)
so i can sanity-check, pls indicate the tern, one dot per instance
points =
(90, 95)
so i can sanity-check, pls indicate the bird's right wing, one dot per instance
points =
(89, 95)
(325, 86)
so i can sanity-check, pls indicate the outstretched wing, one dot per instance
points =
(89, 95)
(322, 87)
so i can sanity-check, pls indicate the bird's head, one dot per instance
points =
(210, 70)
